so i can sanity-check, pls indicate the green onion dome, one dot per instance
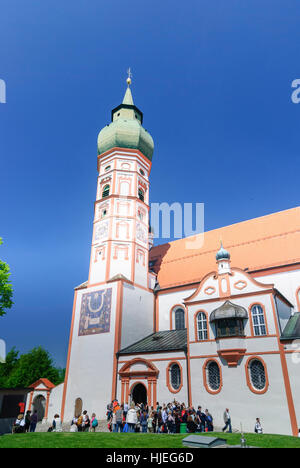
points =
(125, 130)
(222, 254)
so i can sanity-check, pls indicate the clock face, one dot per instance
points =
(95, 312)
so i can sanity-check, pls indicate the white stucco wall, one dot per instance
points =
(244, 405)
(293, 364)
(55, 401)
(137, 314)
(286, 282)
(165, 304)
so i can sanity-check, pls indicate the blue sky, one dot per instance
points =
(213, 79)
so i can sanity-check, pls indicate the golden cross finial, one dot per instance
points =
(129, 76)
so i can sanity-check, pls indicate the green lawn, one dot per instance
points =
(110, 440)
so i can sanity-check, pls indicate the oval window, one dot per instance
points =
(213, 376)
(175, 376)
(257, 374)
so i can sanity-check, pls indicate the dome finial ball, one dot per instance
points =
(129, 76)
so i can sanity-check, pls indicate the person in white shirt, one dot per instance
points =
(227, 421)
(164, 415)
(19, 425)
(131, 419)
(73, 427)
(57, 424)
(258, 427)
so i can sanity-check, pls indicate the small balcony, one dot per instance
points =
(229, 322)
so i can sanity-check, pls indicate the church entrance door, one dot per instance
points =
(139, 394)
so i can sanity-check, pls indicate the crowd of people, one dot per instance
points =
(168, 418)
(164, 419)
(83, 423)
(25, 422)
(28, 422)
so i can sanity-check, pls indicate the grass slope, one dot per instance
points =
(110, 440)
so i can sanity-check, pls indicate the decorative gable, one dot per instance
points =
(235, 283)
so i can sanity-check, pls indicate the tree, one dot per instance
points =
(8, 366)
(32, 366)
(6, 291)
(24, 370)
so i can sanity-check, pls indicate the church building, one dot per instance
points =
(213, 326)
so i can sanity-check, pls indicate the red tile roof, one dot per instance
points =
(256, 244)
(46, 382)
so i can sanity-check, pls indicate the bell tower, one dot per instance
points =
(121, 218)
(115, 307)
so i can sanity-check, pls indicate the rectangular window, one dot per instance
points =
(284, 312)
(202, 326)
(229, 327)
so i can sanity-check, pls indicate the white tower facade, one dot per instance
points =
(121, 220)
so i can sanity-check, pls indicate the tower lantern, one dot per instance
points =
(223, 260)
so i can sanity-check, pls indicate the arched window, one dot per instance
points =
(179, 319)
(175, 376)
(257, 374)
(258, 320)
(213, 376)
(202, 326)
(141, 194)
(105, 191)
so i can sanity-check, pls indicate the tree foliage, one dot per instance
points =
(7, 367)
(6, 291)
(24, 370)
